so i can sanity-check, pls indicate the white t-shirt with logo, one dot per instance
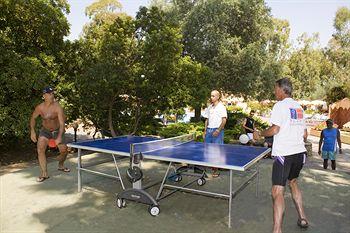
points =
(289, 116)
(214, 114)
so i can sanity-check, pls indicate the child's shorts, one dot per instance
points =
(329, 155)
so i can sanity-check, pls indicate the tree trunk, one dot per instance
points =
(137, 119)
(197, 114)
(110, 119)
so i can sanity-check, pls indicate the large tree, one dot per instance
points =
(239, 40)
(305, 67)
(338, 50)
(31, 38)
(34, 27)
(132, 70)
(316, 72)
(99, 66)
(342, 26)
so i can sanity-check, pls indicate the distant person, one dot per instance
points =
(249, 126)
(53, 118)
(216, 116)
(329, 138)
(288, 149)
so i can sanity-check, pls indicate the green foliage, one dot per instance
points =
(33, 27)
(31, 38)
(178, 129)
(318, 110)
(235, 119)
(335, 94)
(338, 52)
(124, 71)
(305, 68)
(195, 80)
(233, 128)
(150, 126)
(103, 82)
(238, 41)
(321, 126)
(129, 70)
(261, 125)
(342, 26)
(16, 111)
(101, 8)
(232, 135)
(260, 108)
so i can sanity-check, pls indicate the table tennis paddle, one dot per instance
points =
(52, 143)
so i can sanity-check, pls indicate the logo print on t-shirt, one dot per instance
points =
(296, 113)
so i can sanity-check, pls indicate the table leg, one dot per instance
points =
(257, 179)
(163, 182)
(79, 171)
(118, 172)
(230, 201)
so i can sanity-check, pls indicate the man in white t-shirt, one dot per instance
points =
(216, 116)
(288, 149)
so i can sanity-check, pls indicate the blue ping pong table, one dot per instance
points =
(183, 150)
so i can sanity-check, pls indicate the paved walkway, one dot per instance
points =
(55, 205)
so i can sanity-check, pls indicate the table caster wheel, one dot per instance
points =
(154, 210)
(178, 178)
(120, 203)
(201, 181)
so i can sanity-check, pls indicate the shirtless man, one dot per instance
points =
(52, 128)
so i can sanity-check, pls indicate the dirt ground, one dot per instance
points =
(56, 206)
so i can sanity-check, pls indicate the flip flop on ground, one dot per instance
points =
(42, 178)
(64, 169)
(303, 223)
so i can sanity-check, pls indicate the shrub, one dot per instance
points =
(151, 127)
(260, 108)
(323, 125)
(335, 94)
(235, 119)
(233, 128)
(178, 129)
(310, 111)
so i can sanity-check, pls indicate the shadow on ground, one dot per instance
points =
(56, 206)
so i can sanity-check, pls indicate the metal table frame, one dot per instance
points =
(164, 185)
(230, 195)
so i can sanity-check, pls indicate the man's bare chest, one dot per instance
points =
(49, 114)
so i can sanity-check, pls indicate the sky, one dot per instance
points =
(304, 16)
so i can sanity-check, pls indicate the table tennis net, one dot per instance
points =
(144, 147)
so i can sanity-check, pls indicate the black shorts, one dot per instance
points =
(287, 167)
(50, 134)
